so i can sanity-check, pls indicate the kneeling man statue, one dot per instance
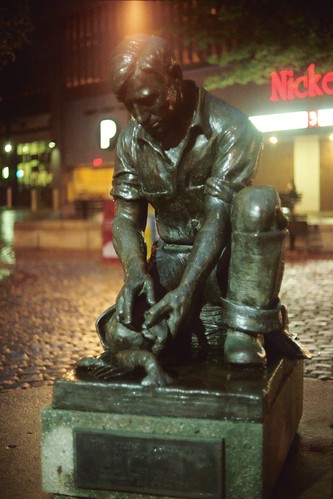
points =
(213, 279)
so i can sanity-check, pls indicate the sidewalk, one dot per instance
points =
(49, 301)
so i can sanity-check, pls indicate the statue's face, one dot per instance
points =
(153, 101)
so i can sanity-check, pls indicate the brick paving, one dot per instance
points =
(49, 301)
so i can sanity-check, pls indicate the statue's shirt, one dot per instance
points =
(217, 157)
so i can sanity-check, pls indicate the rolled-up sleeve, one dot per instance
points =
(125, 183)
(221, 189)
(237, 152)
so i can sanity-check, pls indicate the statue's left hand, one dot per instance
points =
(174, 307)
(135, 286)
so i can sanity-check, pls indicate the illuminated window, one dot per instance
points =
(33, 168)
(107, 130)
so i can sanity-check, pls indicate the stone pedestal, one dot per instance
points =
(216, 433)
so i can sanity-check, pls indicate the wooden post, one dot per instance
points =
(9, 196)
(33, 200)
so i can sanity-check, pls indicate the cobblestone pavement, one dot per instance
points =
(49, 301)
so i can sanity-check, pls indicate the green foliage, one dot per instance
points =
(15, 26)
(256, 37)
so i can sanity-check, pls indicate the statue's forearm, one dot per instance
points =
(207, 246)
(130, 249)
(128, 239)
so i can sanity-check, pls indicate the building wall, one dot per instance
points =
(276, 165)
(82, 119)
(326, 175)
(63, 77)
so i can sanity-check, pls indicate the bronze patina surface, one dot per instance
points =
(192, 396)
(215, 272)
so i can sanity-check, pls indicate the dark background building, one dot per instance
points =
(56, 93)
(59, 117)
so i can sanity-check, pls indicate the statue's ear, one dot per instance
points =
(175, 71)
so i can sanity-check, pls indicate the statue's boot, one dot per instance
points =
(245, 349)
(252, 309)
(103, 366)
(103, 325)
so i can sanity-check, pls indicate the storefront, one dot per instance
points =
(92, 126)
(295, 114)
(29, 164)
(307, 128)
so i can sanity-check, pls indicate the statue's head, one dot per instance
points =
(147, 80)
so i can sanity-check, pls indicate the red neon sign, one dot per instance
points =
(286, 87)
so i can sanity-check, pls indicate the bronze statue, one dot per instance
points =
(214, 276)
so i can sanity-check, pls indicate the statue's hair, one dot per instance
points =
(151, 54)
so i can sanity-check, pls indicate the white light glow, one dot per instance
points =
(330, 137)
(8, 147)
(108, 130)
(325, 117)
(273, 140)
(5, 172)
(283, 121)
(52, 144)
(292, 121)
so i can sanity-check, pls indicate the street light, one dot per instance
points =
(6, 175)
(5, 172)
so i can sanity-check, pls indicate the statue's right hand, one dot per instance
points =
(133, 287)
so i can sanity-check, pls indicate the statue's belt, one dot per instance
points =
(237, 235)
(174, 247)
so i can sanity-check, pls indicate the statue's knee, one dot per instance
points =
(257, 209)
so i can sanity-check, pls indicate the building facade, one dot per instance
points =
(295, 114)
(59, 121)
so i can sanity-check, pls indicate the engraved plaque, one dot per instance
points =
(179, 467)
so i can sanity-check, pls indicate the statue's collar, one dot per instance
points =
(201, 116)
(199, 121)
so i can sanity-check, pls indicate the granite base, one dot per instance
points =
(216, 433)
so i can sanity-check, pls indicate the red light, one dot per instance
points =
(98, 162)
